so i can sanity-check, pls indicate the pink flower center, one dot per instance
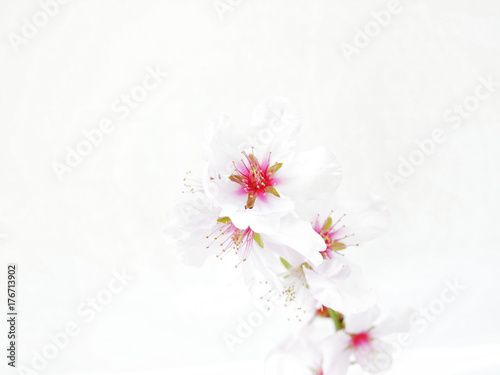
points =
(231, 238)
(333, 234)
(360, 339)
(256, 179)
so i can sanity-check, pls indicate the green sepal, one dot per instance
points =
(272, 190)
(336, 319)
(223, 220)
(275, 168)
(236, 179)
(286, 264)
(258, 239)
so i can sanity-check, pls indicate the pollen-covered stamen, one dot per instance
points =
(256, 179)
(232, 239)
(295, 284)
(334, 235)
(360, 340)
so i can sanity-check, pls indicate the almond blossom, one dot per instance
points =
(197, 229)
(360, 340)
(363, 341)
(337, 282)
(276, 213)
(258, 183)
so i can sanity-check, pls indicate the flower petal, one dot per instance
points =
(265, 215)
(276, 123)
(300, 236)
(367, 217)
(362, 322)
(330, 286)
(310, 175)
(335, 354)
(188, 225)
(374, 358)
(222, 145)
(398, 321)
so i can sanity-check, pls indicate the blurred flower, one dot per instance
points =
(309, 352)
(362, 340)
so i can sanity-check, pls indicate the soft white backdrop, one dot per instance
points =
(68, 236)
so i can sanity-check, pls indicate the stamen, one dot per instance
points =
(231, 238)
(192, 183)
(256, 179)
(333, 235)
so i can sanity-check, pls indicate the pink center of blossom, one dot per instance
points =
(360, 339)
(333, 234)
(231, 238)
(256, 179)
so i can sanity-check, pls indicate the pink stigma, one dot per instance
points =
(360, 339)
(256, 179)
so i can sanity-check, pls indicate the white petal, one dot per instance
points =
(367, 218)
(361, 322)
(323, 283)
(342, 288)
(317, 209)
(222, 145)
(398, 321)
(310, 175)
(358, 293)
(276, 123)
(290, 255)
(193, 250)
(375, 357)
(265, 215)
(259, 269)
(298, 354)
(335, 354)
(300, 236)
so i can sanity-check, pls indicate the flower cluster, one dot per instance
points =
(275, 212)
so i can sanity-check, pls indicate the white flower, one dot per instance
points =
(362, 340)
(298, 354)
(309, 352)
(346, 224)
(197, 230)
(258, 184)
(336, 283)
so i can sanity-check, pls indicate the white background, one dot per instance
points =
(68, 236)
